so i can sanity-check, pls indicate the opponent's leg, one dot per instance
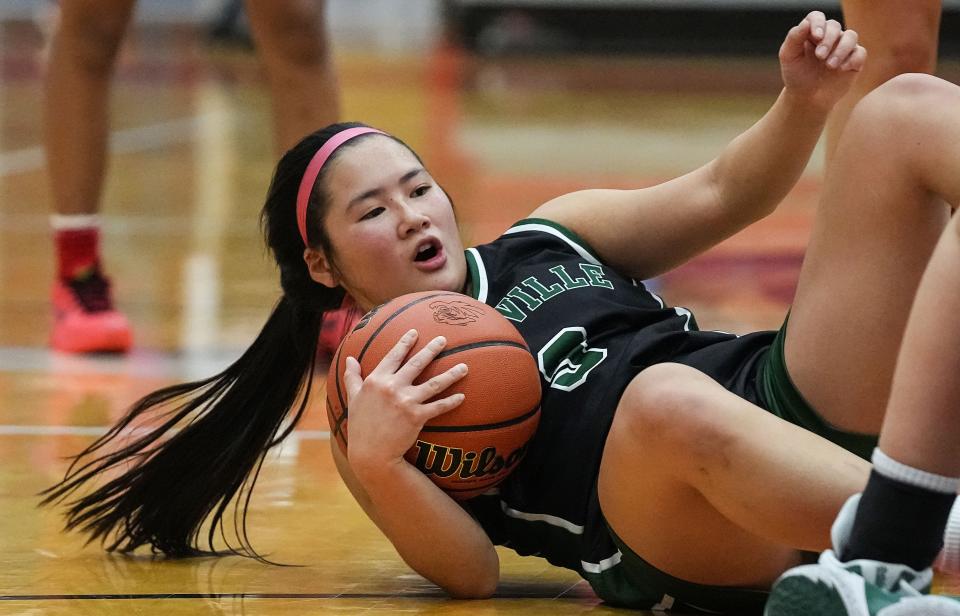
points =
(76, 103)
(900, 37)
(881, 213)
(294, 45)
(712, 489)
(76, 109)
(293, 42)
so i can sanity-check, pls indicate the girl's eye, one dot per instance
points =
(372, 213)
(420, 191)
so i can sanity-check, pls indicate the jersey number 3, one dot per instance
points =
(566, 361)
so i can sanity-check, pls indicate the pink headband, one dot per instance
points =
(313, 170)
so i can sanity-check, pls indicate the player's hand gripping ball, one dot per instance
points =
(475, 446)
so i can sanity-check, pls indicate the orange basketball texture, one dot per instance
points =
(475, 446)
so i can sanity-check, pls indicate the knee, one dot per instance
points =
(911, 89)
(899, 55)
(902, 109)
(900, 37)
(92, 41)
(667, 411)
(293, 41)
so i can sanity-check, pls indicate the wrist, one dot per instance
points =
(394, 484)
(373, 473)
(809, 106)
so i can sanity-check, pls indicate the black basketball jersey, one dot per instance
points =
(591, 331)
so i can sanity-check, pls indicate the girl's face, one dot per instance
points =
(391, 226)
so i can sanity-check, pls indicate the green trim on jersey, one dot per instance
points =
(785, 401)
(476, 275)
(548, 226)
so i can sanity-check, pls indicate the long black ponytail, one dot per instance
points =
(196, 449)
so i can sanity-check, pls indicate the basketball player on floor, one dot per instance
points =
(672, 467)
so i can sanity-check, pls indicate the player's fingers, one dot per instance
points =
(421, 359)
(441, 406)
(435, 386)
(843, 49)
(792, 47)
(831, 35)
(817, 21)
(856, 60)
(352, 378)
(395, 356)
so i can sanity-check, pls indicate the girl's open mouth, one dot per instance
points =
(430, 256)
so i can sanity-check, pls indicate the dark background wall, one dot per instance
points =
(721, 27)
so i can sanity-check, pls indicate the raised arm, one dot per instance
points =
(647, 231)
(430, 531)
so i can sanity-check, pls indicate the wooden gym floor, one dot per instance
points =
(192, 158)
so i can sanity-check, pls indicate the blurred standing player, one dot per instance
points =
(901, 36)
(292, 40)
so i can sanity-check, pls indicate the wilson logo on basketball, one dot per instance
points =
(454, 313)
(433, 459)
(475, 446)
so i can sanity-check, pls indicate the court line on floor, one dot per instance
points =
(139, 363)
(361, 595)
(40, 430)
(125, 141)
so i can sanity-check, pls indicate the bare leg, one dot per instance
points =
(292, 38)
(901, 37)
(904, 509)
(693, 476)
(892, 532)
(76, 104)
(880, 216)
(922, 426)
(76, 110)
(711, 489)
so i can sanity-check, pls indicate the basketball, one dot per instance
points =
(475, 446)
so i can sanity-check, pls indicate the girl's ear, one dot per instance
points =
(320, 268)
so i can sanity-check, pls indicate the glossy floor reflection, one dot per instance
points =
(192, 159)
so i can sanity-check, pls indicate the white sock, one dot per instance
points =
(949, 559)
(888, 467)
(65, 222)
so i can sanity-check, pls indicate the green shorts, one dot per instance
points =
(782, 398)
(636, 584)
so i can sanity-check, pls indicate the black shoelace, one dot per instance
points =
(93, 292)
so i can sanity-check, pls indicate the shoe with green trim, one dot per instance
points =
(856, 588)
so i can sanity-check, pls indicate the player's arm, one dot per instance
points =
(647, 231)
(430, 531)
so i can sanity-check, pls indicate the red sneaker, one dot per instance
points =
(85, 320)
